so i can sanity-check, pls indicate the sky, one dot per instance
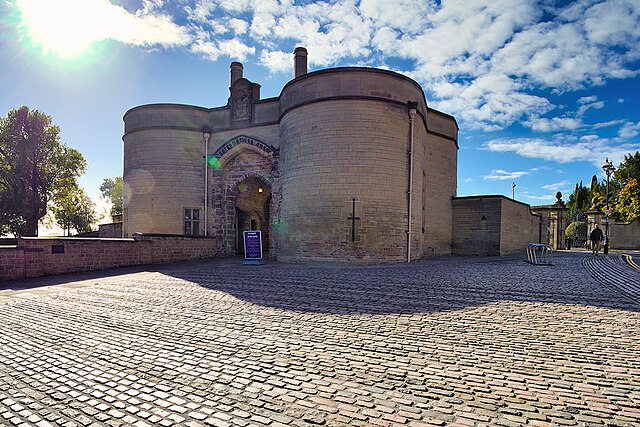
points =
(543, 91)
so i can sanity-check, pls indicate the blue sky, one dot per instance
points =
(542, 91)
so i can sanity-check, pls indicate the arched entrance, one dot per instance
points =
(252, 210)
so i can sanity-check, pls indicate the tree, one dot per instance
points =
(72, 208)
(627, 203)
(596, 189)
(623, 189)
(33, 165)
(579, 201)
(111, 189)
(628, 169)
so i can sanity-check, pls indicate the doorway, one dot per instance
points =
(252, 205)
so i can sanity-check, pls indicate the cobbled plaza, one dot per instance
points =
(455, 341)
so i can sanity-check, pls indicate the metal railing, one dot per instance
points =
(539, 253)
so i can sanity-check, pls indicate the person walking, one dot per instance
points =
(596, 238)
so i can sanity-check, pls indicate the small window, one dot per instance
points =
(191, 222)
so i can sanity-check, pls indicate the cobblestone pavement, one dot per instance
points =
(464, 342)
(616, 272)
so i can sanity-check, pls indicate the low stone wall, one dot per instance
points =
(113, 229)
(492, 225)
(625, 235)
(41, 256)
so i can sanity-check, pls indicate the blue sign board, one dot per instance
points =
(252, 244)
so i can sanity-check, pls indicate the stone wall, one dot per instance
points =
(624, 235)
(476, 225)
(492, 225)
(35, 257)
(519, 226)
(111, 230)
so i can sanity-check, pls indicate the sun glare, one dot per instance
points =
(65, 27)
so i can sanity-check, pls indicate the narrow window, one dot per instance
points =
(191, 222)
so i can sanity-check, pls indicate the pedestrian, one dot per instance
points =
(596, 238)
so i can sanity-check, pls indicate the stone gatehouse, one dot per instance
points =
(345, 164)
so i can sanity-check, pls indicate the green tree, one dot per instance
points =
(628, 169)
(627, 201)
(623, 188)
(33, 165)
(579, 201)
(596, 189)
(73, 209)
(576, 228)
(111, 189)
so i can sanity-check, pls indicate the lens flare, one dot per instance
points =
(65, 27)
(214, 161)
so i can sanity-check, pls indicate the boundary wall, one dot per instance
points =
(624, 235)
(492, 225)
(44, 256)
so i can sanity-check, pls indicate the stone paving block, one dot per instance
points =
(439, 342)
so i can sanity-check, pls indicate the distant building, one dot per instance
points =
(331, 169)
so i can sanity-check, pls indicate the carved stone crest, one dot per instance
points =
(241, 101)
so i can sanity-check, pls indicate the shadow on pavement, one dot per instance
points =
(424, 286)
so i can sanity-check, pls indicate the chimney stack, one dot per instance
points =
(236, 72)
(299, 62)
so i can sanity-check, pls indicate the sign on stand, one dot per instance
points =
(252, 247)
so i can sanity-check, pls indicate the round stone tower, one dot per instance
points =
(345, 134)
(163, 169)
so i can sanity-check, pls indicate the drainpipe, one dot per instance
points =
(206, 135)
(413, 106)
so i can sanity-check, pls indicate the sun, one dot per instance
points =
(65, 27)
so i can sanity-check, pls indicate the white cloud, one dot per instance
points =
(478, 61)
(545, 197)
(235, 49)
(239, 26)
(586, 105)
(620, 100)
(206, 48)
(553, 124)
(70, 26)
(590, 148)
(501, 175)
(629, 130)
(483, 61)
(557, 186)
(587, 99)
(468, 180)
(276, 61)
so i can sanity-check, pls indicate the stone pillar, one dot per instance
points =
(299, 62)
(557, 218)
(236, 72)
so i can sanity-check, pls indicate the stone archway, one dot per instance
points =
(245, 165)
(252, 204)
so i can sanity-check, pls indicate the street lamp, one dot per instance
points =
(513, 190)
(206, 135)
(608, 168)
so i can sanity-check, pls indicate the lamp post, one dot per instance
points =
(513, 190)
(608, 168)
(206, 135)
